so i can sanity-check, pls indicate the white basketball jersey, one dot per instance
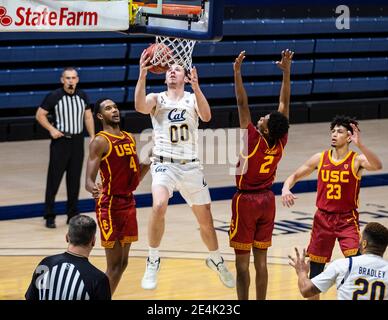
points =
(367, 279)
(175, 126)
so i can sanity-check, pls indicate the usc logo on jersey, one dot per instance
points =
(125, 149)
(334, 176)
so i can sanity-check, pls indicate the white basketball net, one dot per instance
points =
(179, 52)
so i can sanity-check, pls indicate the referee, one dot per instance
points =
(69, 108)
(70, 276)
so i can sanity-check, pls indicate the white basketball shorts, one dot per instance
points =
(187, 178)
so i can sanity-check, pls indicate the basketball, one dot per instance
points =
(165, 55)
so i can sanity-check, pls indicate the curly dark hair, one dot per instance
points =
(97, 105)
(277, 126)
(345, 121)
(377, 236)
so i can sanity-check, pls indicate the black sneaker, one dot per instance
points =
(50, 223)
(69, 217)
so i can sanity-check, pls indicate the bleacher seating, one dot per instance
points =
(328, 61)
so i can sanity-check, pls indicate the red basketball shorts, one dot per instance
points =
(116, 216)
(252, 223)
(327, 227)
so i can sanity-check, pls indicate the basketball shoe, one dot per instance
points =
(150, 278)
(225, 276)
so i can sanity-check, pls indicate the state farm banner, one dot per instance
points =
(53, 15)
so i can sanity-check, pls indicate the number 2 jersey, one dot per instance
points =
(338, 184)
(363, 277)
(119, 167)
(256, 169)
(175, 126)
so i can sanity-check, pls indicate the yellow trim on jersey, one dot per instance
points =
(240, 246)
(350, 252)
(113, 135)
(128, 239)
(246, 160)
(321, 160)
(317, 259)
(356, 198)
(236, 222)
(262, 245)
(355, 223)
(130, 137)
(339, 162)
(101, 134)
(110, 176)
(353, 169)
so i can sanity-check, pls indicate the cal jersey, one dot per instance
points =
(119, 167)
(363, 277)
(256, 168)
(338, 183)
(175, 126)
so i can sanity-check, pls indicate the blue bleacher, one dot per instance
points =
(302, 26)
(52, 75)
(362, 84)
(63, 52)
(351, 65)
(352, 45)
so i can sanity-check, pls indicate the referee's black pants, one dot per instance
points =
(66, 154)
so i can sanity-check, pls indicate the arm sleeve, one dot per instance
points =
(103, 289)
(49, 102)
(327, 278)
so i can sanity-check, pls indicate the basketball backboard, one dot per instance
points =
(196, 19)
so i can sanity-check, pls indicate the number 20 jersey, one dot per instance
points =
(338, 184)
(175, 126)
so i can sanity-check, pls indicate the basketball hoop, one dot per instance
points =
(179, 52)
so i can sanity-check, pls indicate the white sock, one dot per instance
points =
(153, 253)
(215, 256)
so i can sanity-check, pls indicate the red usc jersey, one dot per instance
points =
(256, 169)
(338, 184)
(119, 168)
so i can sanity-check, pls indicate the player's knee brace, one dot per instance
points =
(316, 268)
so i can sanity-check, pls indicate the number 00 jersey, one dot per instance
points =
(338, 184)
(256, 168)
(175, 126)
(119, 167)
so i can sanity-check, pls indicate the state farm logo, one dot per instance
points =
(42, 16)
(4, 19)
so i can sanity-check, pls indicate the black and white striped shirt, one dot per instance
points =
(68, 277)
(67, 110)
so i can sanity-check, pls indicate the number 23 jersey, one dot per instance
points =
(338, 184)
(175, 126)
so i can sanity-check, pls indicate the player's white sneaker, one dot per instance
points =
(226, 277)
(150, 278)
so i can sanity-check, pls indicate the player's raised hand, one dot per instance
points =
(238, 62)
(298, 262)
(285, 63)
(193, 78)
(288, 198)
(355, 136)
(144, 63)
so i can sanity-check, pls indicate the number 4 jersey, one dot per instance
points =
(175, 126)
(256, 168)
(338, 183)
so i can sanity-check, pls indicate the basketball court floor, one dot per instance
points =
(183, 275)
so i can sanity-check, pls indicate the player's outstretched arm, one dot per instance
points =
(97, 148)
(203, 107)
(144, 103)
(285, 92)
(306, 287)
(241, 95)
(288, 198)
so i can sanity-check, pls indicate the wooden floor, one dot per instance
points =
(183, 275)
